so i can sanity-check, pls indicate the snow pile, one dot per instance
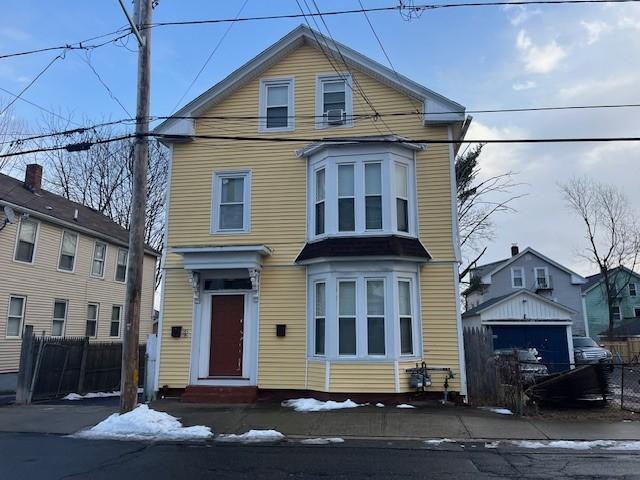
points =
(313, 405)
(143, 423)
(322, 441)
(501, 411)
(77, 396)
(438, 441)
(253, 436)
(405, 405)
(580, 444)
(380, 405)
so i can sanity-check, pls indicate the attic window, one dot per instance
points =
(334, 101)
(276, 105)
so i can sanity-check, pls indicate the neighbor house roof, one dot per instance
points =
(595, 279)
(628, 328)
(505, 298)
(59, 210)
(437, 108)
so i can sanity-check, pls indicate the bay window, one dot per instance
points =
(346, 199)
(373, 196)
(319, 318)
(347, 318)
(405, 317)
(375, 317)
(402, 197)
(319, 203)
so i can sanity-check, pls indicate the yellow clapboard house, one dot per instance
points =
(321, 255)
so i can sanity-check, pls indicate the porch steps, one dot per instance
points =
(210, 394)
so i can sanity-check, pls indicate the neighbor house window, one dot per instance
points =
(59, 318)
(346, 199)
(373, 196)
(375, 317)
(617, 315)
(116, 317)
(406, 317)
(16, 316)
(92, 319)
(26, 244)
(121, 265)
(402, 197)
(636, 312)
(99, 256)
(632, 290)
(517, 277)
(320, 201)
(347, 318)
(319, 317)
(68, 251)
(334, 101)
(276, 98)
(231, 204)
(542, 277)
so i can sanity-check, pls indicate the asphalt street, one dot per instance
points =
(37, 456)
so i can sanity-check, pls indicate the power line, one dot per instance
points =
(39, 106)
(375, 34)
(397, 8)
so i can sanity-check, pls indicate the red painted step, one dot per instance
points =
(211, 394)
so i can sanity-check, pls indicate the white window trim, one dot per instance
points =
(262, 104)
(321, 123)
(87, 318)
(414, 327)
(396, 196)
(35, 246)
(64, 320)
(391, 315)
(75, 253)
(104, 260)
(126, 268)
(635, 289)
(22, 315)
(353, 196)
(119, 321)
(315, 202)
(357, 317)
(546, 275)
(359, 159)
(216, 196)
(381, 195)
(316, 317)
(385, 317)
(524, 283)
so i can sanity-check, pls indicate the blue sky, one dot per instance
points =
(490, 57)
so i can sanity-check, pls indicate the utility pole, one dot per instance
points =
(129, 383)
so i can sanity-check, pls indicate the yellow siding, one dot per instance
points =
(278, 218)
(42, 284)
(316, 375)
(363, 377)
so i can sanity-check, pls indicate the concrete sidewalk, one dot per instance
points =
(456, 422)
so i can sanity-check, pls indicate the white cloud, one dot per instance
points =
(594, 30)
(521, 13)
(597, 87)
(528, 85)
(629, 22)
(539, 58)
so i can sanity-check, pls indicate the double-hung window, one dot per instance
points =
(319, 318)
(632, 290)
(16, 316)
(542, 277)
(334, 100)
(636, 312)
(347, 340)
(99, 256)
(231, 202)
(373, 196)
(517, 277)
(26, 244)
(121, 265)
(617, 314)
(320, 201)
(402, 197)
(276, 100)
(93, 310)
(346, 198)
(116, 317)
(59, 318)
(406, 317)
(375, 317)
(68, 247)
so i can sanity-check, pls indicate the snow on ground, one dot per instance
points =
(322, 441)
(77, 396)
(143, 423)
(252, 436)
(438, 441)
(313, 405)
(380, 405)
(580, 444)
(405, 405)
(501, 411)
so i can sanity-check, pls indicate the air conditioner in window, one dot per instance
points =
(335, 116)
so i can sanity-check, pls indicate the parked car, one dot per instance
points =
(587, 351)
(531, 370)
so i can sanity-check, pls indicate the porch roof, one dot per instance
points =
(213, 257)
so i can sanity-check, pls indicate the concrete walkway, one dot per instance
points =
(456, 422)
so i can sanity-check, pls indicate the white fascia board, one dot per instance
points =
(377, 144)
(437, 112)
(259, 249)
(527, 322)
(531, 295)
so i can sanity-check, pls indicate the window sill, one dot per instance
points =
(276, 129)
(22, 262)
(364, 359)
(230, 232)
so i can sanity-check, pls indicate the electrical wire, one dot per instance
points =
(87, 60)
(375, 34)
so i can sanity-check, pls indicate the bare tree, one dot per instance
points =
(611, 231)
(10, 132)
(479, 200)
(100, 177)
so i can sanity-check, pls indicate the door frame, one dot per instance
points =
(201, 341)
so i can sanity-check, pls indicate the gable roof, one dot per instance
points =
(486, 277)
(505, 298)
(628, 328)
(56, 209)
(434, 103)
(595, 279)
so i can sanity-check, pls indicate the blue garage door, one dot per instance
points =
(549, 340)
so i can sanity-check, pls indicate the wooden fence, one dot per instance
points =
(624, 351)
(52, 367)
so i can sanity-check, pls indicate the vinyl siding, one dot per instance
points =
(316, 375)
(42, 284)
(363, 377)
(278, 220)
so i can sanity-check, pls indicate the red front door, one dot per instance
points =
(227, 326)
